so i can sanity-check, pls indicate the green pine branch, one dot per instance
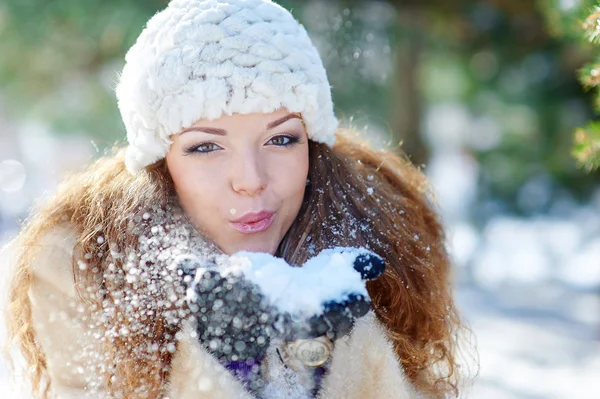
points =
(587, 139)
(587, 146)
(591, 25)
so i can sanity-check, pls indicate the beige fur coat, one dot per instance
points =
(363, 364)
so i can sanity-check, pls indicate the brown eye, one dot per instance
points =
(206, 147)
(202, 149)
(283, 140)
(279, 140)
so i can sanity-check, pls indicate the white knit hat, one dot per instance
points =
(201, 59)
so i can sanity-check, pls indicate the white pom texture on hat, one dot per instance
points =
(202, 59)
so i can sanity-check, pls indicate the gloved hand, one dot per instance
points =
(346, 303)
(250, 298)
(234, 319)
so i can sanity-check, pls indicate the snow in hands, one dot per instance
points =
(242, 301)
(332, 275)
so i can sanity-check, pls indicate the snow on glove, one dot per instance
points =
(323, 297)
(250, 297)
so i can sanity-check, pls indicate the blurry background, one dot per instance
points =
(482, 94)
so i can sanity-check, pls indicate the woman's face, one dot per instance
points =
(241, 178)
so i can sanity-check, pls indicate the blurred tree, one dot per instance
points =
(494, 61)
(60, 60)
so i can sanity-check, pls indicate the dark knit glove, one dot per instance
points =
(234, 320)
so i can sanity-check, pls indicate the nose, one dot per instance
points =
(248, 176)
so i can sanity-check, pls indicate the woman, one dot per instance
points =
(232, 146)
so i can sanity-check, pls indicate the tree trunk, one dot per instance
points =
(406, 107)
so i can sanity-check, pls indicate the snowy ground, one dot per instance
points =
(531, 345)
(530, 289)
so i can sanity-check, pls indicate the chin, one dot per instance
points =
(262, 246)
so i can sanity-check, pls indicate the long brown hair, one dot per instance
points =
(356, 196)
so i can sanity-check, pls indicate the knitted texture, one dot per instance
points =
(202, 59)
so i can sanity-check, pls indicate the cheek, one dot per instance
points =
(198, 191)
(290, 178)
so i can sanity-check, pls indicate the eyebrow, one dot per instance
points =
(223, 132)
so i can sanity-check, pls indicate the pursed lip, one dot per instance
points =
(254, 222)
(253, 217)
